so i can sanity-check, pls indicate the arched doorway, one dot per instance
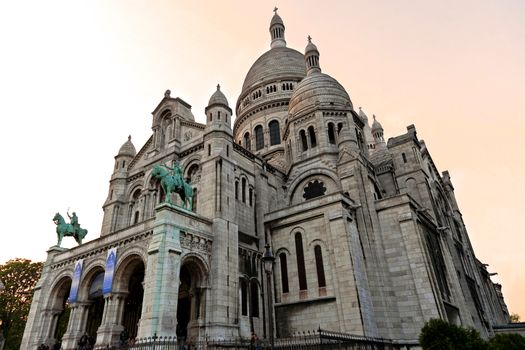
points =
(60, 309)
(184, 303)
(96, 307)
(192, 297)
(133, 303)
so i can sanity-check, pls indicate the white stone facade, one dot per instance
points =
(367, 235)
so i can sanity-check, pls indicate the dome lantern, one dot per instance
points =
(311, 56)
(277, 31)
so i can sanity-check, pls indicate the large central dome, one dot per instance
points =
(277, 63)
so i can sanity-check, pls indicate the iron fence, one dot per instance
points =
(314, 340)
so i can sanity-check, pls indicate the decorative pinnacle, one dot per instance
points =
(275, 9)
(167, 93)
(218, 87)
(309, 39)
(373, 115)
(129, 138)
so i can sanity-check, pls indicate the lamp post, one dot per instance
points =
(268, 260)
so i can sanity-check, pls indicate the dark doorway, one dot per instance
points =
(133, 306)
(184, 304)
(63, 318)
(96, 308)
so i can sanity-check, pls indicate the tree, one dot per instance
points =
(507, 342)
(441, 335)
(514, 318)
(19, 277)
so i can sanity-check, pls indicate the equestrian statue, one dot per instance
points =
(72, 229)
(172, 181)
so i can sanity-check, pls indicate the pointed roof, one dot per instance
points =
(127, 149)
(376, 125)
(218, 98)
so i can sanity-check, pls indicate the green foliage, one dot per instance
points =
(19, 277)
(441, 335)
(507, 342)
(514, 318)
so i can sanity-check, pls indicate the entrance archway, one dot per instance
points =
(192, 297)
(59, 309)
(133, 303)
(184, 304)
(96, 307)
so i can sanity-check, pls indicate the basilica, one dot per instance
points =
(299, 215)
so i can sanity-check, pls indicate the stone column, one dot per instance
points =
(76, 324)
(109, 331)
(161, 280)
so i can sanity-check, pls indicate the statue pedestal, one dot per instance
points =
(161, 283)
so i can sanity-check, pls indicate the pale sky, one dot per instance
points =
(77, 77)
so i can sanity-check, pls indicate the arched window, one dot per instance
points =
(254, 299)
(243, 190)
(304, 143)
(259, 137)
(331, 133)
(404, 157)
(300, 261)
(319, 265)
(275, 133)
(210, 117)
(313, 140)
(244, 298)
(209, 150)
(247, 141)
(250, 197)
(136, 218)
(314, 189)
(284, 272)
(236, 189)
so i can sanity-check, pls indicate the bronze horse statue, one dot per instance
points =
(172, 181)
(64, 229)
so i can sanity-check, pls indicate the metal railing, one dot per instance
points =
(313, 340)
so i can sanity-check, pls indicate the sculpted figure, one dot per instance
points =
(72, 229)
(172, 181)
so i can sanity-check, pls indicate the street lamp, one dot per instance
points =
(268, 260)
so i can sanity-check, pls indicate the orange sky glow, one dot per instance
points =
(76, 77)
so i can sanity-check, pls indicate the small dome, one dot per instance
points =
(218, 98)
(363, 116)
(276, 19)
(376, 125)
(310, 47)
(127, 149)
(318, 89)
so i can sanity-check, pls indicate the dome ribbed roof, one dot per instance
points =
(276, 19)
(318, 89)
(218, 98)
(376, 125)
(279, 62)
(127, 149)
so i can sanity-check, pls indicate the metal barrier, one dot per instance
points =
(314, 340)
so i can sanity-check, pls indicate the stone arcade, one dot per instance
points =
(367, 235)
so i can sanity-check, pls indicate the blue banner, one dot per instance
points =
(111, 261)
(73, 293)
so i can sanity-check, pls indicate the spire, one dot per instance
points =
(377, 131)
(277, 31)
(311, 56)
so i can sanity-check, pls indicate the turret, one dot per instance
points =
(117, 186)
(277, 31)
(311, 55)
(218, 113)
(124, 156)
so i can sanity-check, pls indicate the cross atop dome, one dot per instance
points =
(275, 9)
(309, 39)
